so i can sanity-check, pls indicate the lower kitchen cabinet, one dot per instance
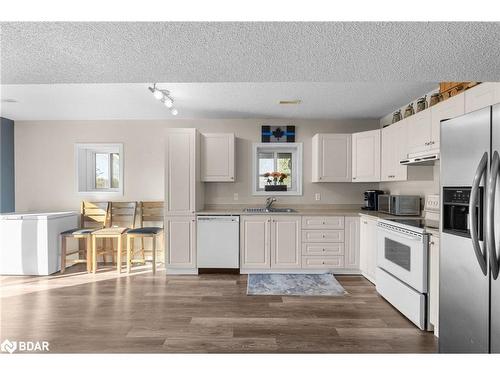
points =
(180, 237)
(351, 238)
(255, 242)
(368, 247)
(285, 242)
(434, 283)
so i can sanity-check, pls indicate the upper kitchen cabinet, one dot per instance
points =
(394, 148)
(366, 156)
(450, 108)
(419, 132)
(483, 95)
(184, 189)
(217, 157)
(331, 158)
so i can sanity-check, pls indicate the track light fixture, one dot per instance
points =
(164, 96)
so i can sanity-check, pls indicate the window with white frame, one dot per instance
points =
(282, 159)
(99, 167)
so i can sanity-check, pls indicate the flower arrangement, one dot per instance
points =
(275, 178)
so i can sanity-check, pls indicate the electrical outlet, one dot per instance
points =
(235, 196)
(317, 196)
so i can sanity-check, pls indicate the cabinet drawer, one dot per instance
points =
(324, 249)
(322, 222)
(322, 236)
(323, 262)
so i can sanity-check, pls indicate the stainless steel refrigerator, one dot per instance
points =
(469, 292)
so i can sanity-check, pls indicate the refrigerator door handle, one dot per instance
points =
(490, 215)
(481, 170)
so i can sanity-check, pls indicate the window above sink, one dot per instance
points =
(284, 158)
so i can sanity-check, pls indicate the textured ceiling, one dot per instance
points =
(249, 52)
(333, 100)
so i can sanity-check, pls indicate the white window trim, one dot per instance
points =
(89, 182)
(274, 146)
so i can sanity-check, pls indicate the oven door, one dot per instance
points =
(403, 254)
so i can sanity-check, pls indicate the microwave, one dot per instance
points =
(401, 205)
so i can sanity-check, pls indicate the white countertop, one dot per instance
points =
(36, 215)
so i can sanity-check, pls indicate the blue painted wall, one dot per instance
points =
(6, 165)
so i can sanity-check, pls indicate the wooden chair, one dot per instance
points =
(122, 219)
(151, 214)
(94, 215)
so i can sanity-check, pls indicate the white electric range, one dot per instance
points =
(402, 262)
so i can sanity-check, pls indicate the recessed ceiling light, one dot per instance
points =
(9, 101)
(296, 101)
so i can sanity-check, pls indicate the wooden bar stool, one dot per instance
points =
(151, 226)
(122, 219)
(93, 216)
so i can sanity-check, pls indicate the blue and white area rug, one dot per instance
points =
(294, 285)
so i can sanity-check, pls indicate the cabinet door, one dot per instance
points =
(255, 241)
(482, 95)
(217, 157)
(180, 177)
(434, 283)
(352, 236)
(331, 158)
(419, 132)
(400, 138)
(368, 247)
(180, 232)
(285, 242)
(388, 154)
(372, 252)
(366, 156)
(448, 109)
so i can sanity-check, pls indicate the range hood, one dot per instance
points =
(421, 159)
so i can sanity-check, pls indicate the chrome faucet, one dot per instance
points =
(269, 202)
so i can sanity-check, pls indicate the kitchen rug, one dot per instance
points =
(294, 285)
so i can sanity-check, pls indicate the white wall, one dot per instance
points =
(45, 165)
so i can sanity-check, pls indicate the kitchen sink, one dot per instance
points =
(263, 210)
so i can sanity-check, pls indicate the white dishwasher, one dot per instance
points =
(218, 241)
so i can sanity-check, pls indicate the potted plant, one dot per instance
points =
(275, 181)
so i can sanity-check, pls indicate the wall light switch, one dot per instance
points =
(317, 196)
(236, 196)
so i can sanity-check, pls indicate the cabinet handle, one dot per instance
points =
(323, 249)
(354, 178)
(323, 236)
(232, 178)
(323, 223)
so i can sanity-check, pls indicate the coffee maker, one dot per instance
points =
(371, 199)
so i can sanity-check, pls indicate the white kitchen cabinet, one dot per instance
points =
(434, 283)
(450, 108)
(419, 130)
(183, 186)
(331, 158)
(351, 258)
(285, 242)
(255, 242)
(217, 157)
(180, 237)
(368, 247)
(366, 156)
(482, 95)
(394, 149)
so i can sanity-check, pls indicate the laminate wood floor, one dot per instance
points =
(141, 313)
